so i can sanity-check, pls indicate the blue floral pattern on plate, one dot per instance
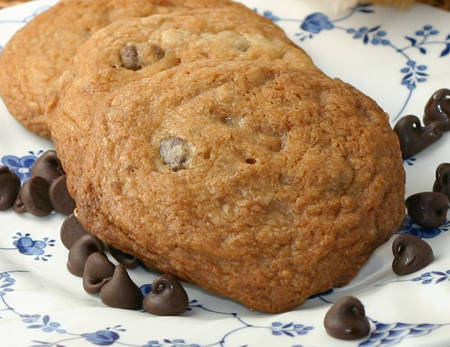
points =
(234, 326)
(21, 165)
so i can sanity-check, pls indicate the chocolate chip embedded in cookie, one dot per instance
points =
(131, 50)
(249, 221)
(174, 152)
(45, 47)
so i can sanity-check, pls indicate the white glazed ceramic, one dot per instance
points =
(397, 57)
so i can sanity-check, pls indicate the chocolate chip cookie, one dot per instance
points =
(131, 50)
(256, 180)
(37, 55)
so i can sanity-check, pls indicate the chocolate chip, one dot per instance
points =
(442, 183)
(413, 137)
(71, 231)
(130, 57)
(80, 251)
(346, 319)
(167, 298)
(9, 187)
(60, 197)
(429, 209)
(127, 260)
(156, 52)
(174, 152)
(34, 195)
(438, 109)
(47, 166)
(120, 291)
(18, 206)
(410, 254)
(98, 270)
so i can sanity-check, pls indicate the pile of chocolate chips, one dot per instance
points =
(44, 192)
(87, 259)
(413, 137)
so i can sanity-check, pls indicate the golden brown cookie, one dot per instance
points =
(37, 55)
(255, 180)
(131, 50)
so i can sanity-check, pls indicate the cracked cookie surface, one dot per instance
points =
(131, 50)
(288, 181)
(41, 51)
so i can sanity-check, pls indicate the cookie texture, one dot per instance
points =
(41, 51)
(132, 50)
(255, 180)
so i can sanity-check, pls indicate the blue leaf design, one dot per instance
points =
(46, 319)
(427, 326)
(438, 273)
(384, 327)
(366, 39)
(412, 40)
(35, 326)
(418, 332)
(403, 326)
(369, 343)
(442, 279)
(426, 282)
(423, 50)
(374, 28)
(287, 325)
(288, 333)
(363, 10)
(407, 76)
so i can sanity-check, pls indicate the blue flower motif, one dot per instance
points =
(433, 276)
(27, 246)
(102, 337)
(409, 161)
(6, 282)
(21, 166)
(392, 333)
(370, 35)
(46, 325)
(413, 74)
(153, 343)
(289, 329)
(316, 22)
(271, 16)
(427, 30)
(409, 227)
(179, 343)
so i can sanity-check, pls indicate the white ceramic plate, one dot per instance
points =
(399, 58)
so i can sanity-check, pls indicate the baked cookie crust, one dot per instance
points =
(254, 180)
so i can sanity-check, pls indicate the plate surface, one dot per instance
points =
(399, 58)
